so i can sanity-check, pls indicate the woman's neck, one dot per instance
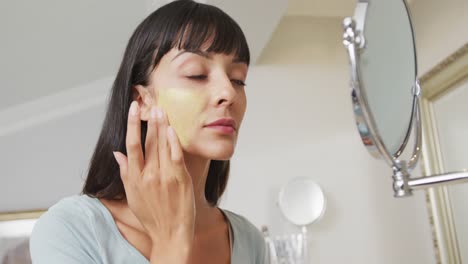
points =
(198, 169)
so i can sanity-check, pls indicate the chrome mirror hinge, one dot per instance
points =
(403, 184)
(416, 90)
(351, 35)
(401, 178)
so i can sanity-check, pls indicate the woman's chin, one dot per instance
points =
(219, 154)
(215, 151)
(221, 157)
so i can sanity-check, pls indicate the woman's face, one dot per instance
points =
(197, 89)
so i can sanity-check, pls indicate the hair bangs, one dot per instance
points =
(209, 29)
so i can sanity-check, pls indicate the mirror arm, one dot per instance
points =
(403, 185)
(439, 179)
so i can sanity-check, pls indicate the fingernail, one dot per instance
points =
(134, 108)
(154, 113)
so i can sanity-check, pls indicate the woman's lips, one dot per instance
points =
(223, 129)
(223, 125)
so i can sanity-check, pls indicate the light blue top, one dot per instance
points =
(80, 230)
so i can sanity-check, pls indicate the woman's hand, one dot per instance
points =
(158, 186)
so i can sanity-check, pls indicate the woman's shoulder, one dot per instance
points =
(74, 204)
(67, 227)
(243, 223)
(75, 210)
(248, 238)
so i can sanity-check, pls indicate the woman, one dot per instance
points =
(162, 159)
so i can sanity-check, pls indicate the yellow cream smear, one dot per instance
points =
(183, 108)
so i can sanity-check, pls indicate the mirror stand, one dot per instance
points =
(403, 184)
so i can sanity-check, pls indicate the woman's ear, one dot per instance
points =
(145, 101)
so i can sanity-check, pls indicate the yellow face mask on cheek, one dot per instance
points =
(183, 108)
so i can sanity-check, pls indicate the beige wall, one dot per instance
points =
(299, 122)
(452, 126)
(440, 29)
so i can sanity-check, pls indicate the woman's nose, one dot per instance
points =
(225, 93)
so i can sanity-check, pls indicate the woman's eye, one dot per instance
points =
(198, 77)
(202, 77)
(239, 82)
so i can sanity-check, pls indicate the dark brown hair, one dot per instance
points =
(184, 24)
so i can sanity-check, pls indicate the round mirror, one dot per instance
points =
(387, 65)
(301, 201)
(385, 89)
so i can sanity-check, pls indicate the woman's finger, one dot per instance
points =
(151, 143)
(122, 162)
(177, 155)
(163, 148)
(133, 141)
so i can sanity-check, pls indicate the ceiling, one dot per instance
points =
(323, 8)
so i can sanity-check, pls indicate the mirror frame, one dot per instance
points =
(355, 43)
(438, 81)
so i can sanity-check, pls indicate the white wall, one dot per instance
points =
(299, 122)
(440, 29)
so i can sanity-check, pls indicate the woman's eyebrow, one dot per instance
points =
(206, 55)
(197, 52)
